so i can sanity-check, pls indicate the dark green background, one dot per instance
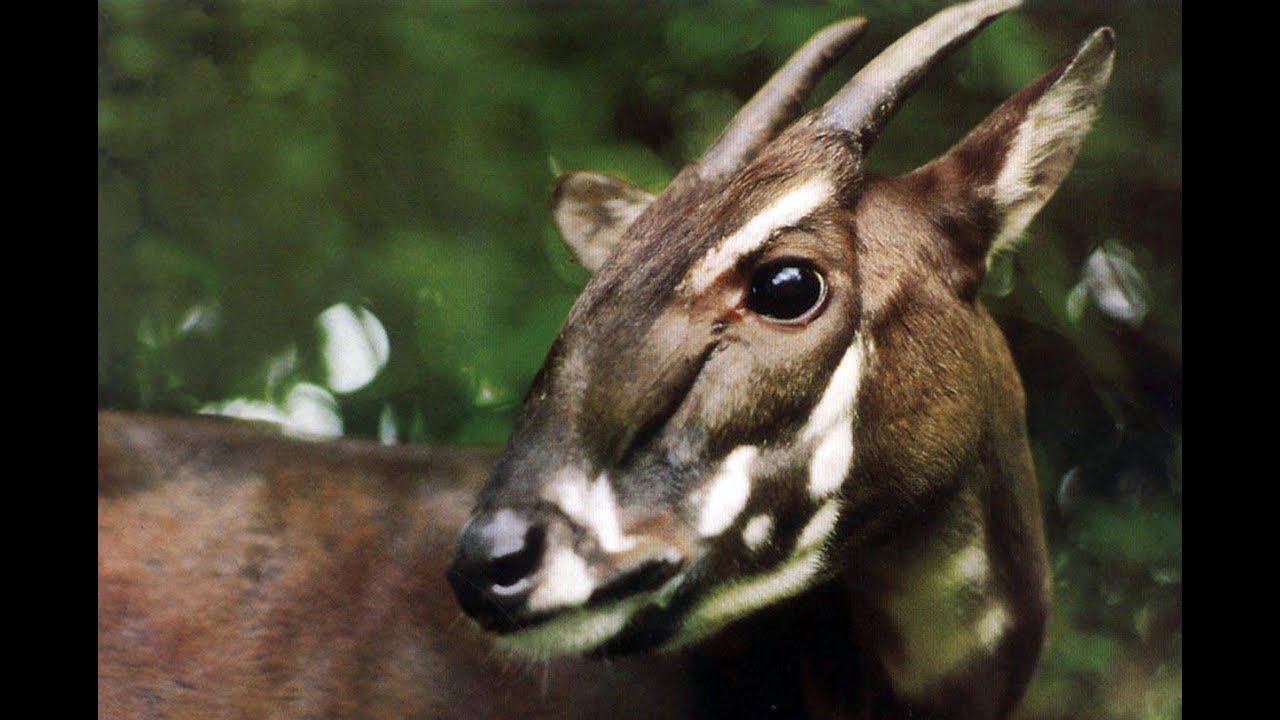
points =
(260, 162)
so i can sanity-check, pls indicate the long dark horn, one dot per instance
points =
(870, 98)
(778, 102)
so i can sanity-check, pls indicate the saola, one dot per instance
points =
(778, 440)
(779, 400)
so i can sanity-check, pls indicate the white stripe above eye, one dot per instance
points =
(789, 208)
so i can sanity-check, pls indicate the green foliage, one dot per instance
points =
(261, 162)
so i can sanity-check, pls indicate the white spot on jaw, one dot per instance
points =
(757, 532)
(819, 526)
(787, 209)
(831, 423)
(728, 492)
(737, 599)
(566, 580)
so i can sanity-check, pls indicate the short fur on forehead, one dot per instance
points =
(611, 328)
(687, 220)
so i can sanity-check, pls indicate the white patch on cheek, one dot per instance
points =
(831, 423)
(566, 580)
(819, 527)
(757, 532)
(831, 460)
(787, 209)
(837, 402)
(728, 492)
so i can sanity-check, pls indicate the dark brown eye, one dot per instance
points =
(786, 290)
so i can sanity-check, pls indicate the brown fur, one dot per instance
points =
(241, 575)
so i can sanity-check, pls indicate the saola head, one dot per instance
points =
(775, 359)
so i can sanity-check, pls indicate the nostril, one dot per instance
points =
(511, 564)
(491, 574)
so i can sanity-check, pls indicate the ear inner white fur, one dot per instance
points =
(593, 212)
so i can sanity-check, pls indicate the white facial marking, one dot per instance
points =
(584, 630)
(592, 506)
(737, 599)
(577, 632)
(566, 580)
(602, 513)
(728, 492)
(837, 401)
(787, 209)
(757, 531)
(831, 423)
(830, 462)
(569, 492)
(819, 526)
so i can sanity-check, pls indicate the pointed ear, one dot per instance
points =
(1009, 166)
(593, 211)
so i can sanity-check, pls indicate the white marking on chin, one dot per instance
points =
(566, 581)
(575, 633)
(757, 532)
(831, 422)
(787, 209)
(728, 492)
(581, 631)
(819, 527)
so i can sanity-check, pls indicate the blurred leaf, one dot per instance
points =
(1116, 285)
(1140, 535)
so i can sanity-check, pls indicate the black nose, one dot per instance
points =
(497, 553)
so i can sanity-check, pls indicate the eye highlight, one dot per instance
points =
(787, 291)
